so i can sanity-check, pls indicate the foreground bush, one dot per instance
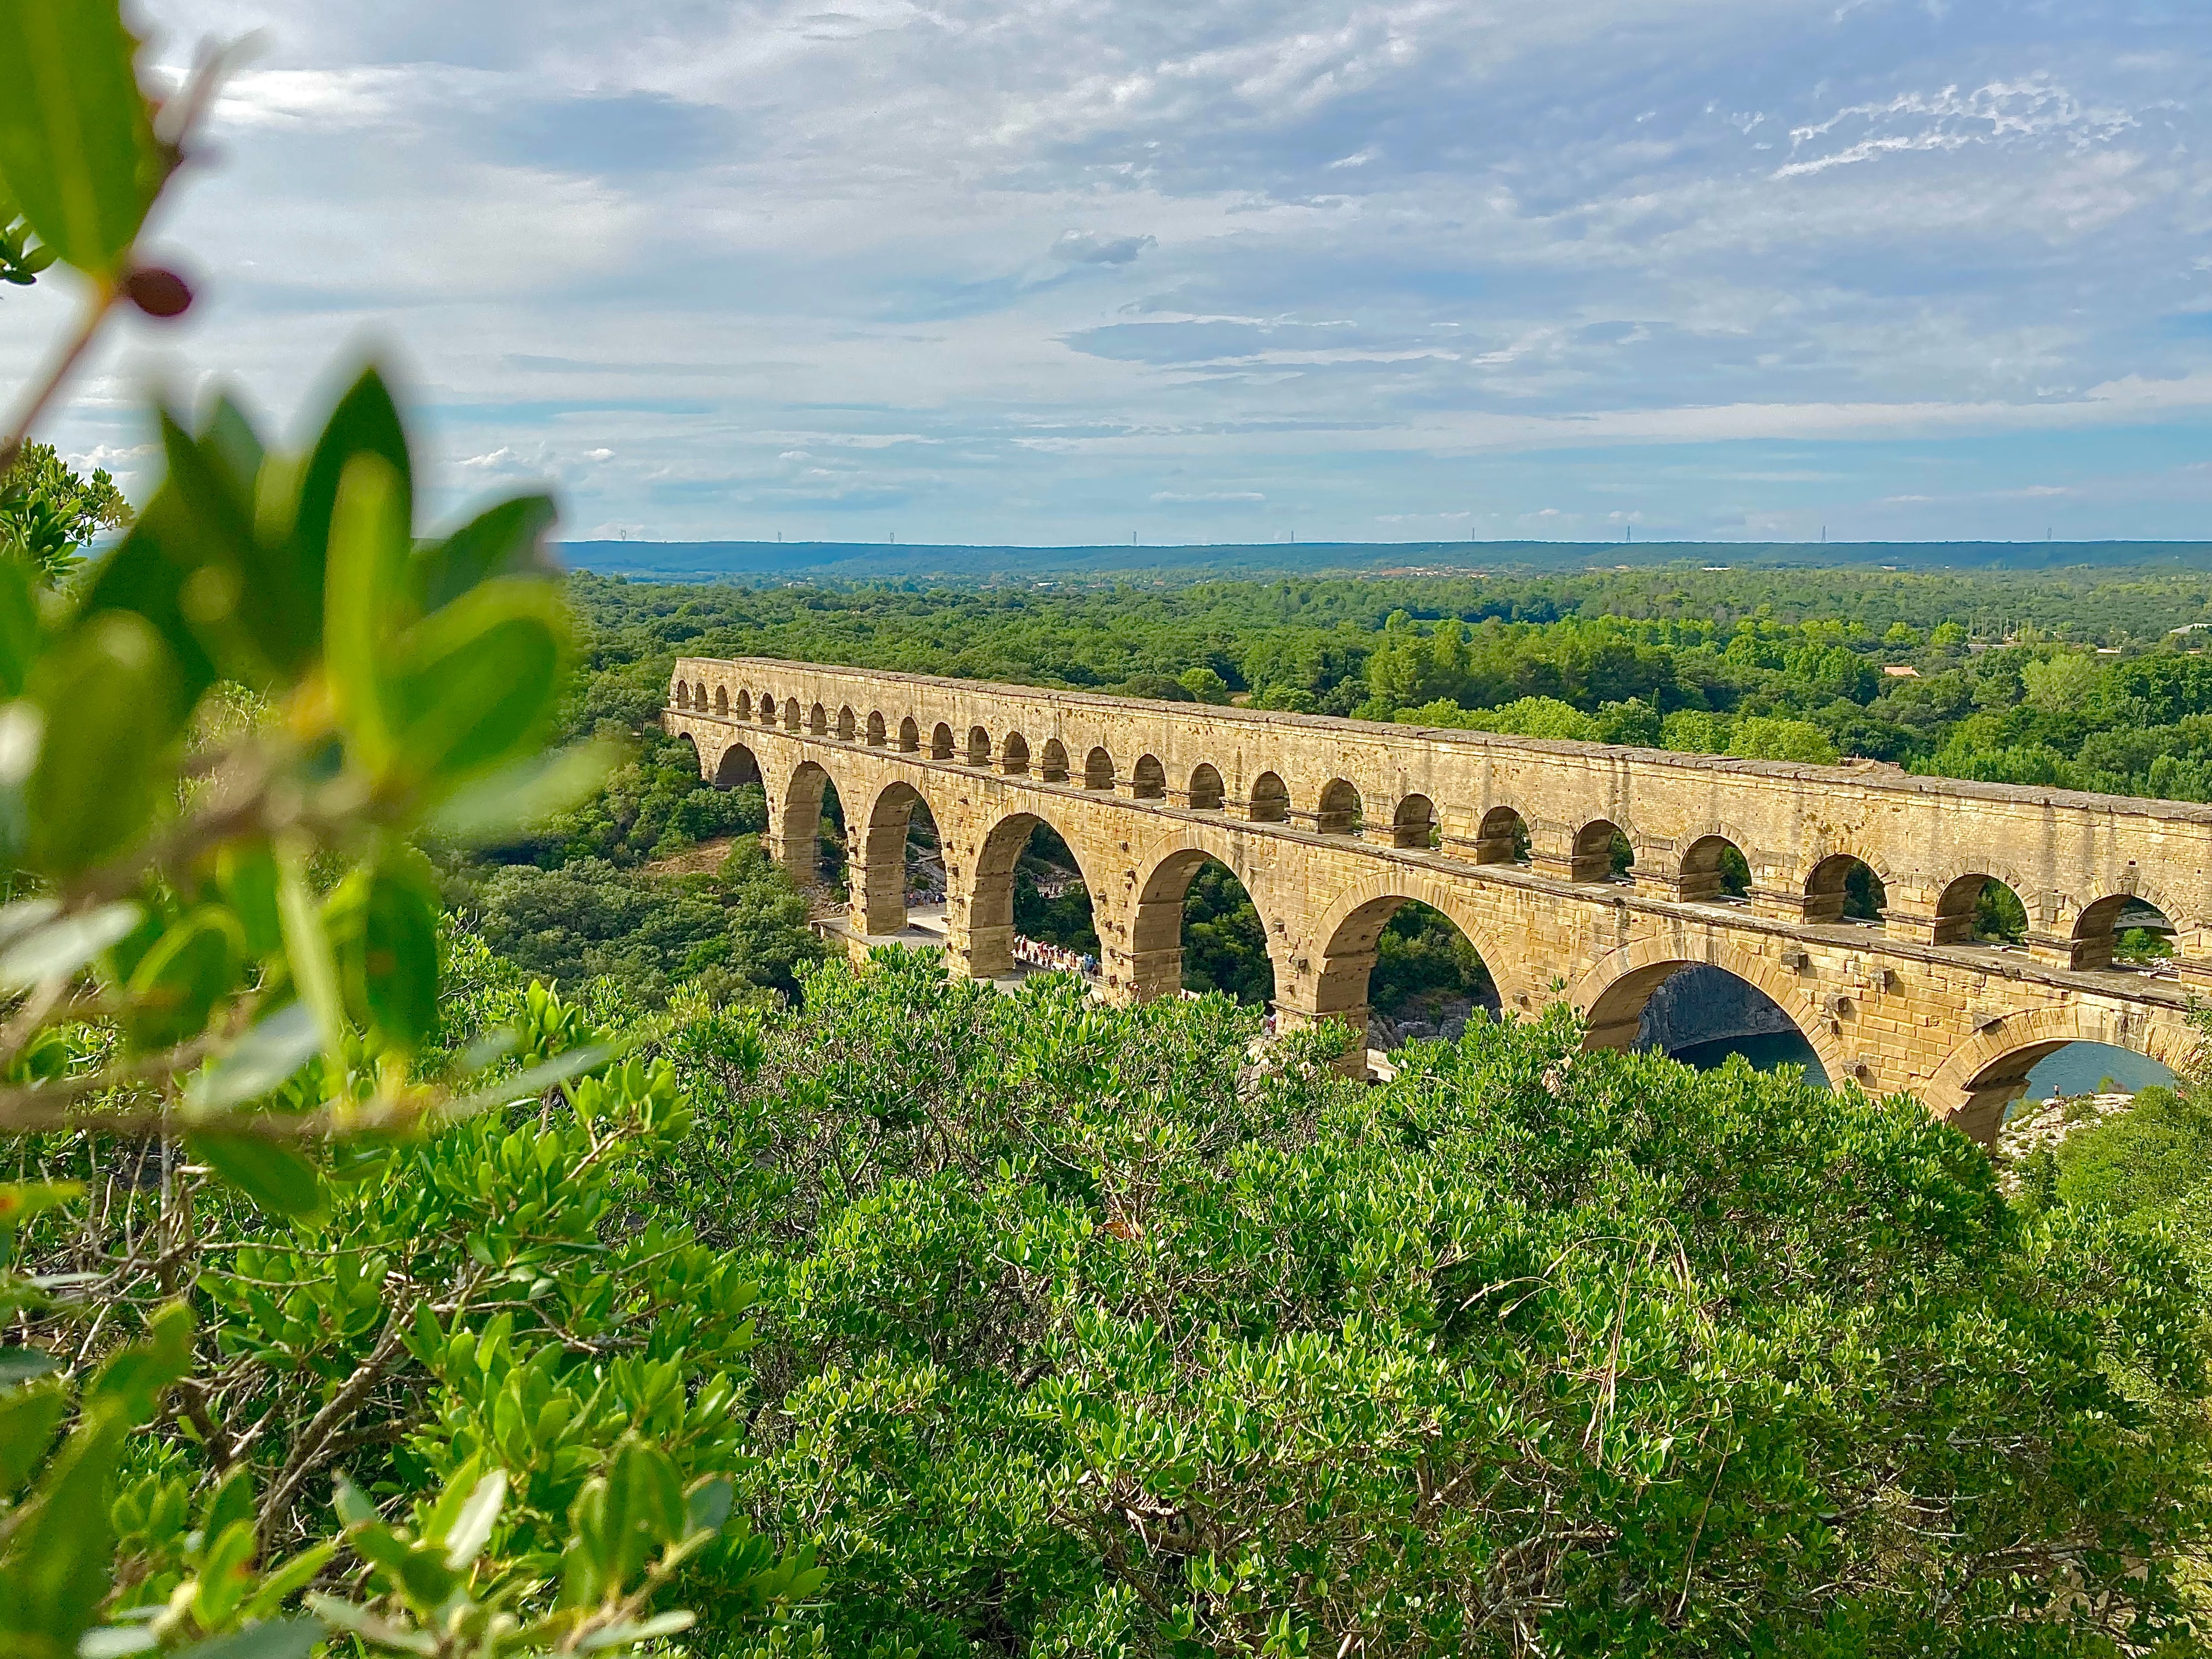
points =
(1084, 1336)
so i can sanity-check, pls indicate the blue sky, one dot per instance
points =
(1059, 272)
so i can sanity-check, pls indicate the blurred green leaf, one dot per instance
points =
(116, 1641)
(523, 793)
(245, 873)
(275, 1177)
(229, 439)
(111, 685)
(352, 1504)
(29, 1417)
(471, 1529)
(22, 1200)
(365, 421)
(179, 981)
(18, 627)
(77, 144)
(230, 1503)
(21, 1365)
(708, 1508)
(646, 1630)
(307, 948)
(63, 948)
(145, 575)
(362, 610)
(273, 1638)
(278, 1046)
(479, 680)
(55, 1565)
(505, 540)
(386, 919)
(135, 1378)
(237, 601)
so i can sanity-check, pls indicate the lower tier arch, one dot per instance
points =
(1332, 967)
(1988, 1071)
(1612, 993)
(1154, 966)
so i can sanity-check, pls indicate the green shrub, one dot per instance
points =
(2144, 1159)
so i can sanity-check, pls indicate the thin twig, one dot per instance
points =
(103, 296)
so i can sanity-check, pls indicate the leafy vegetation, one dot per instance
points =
(1078, 1336)
(333, 1329)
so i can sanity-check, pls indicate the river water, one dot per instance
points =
(2077, 1069)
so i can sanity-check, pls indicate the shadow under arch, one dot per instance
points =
(1414, 823)
(1159, 925)
(1982, 907)
(1844, 886)
(1602, 851)
(1270, 801)
(1502, 837)
(885, 838)
(1341, 949)
(990, 900)
(738, 765)
(1612, 995)
(697, 760)
(1988, 1071)
(1713, 869)
(2122, 930)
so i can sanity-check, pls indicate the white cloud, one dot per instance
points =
(1949, 120)
(1379, 244)
(1088, 247)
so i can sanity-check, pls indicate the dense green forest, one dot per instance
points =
(2079, 681)
(367, 1295)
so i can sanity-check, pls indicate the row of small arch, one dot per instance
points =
(1337, 813)
(1502, 838)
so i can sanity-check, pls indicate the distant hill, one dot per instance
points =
(849, 562)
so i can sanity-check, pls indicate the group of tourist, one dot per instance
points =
(1056, 958)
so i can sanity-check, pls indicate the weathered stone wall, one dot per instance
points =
(1329, 824)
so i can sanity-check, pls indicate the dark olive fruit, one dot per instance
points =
(157, 292)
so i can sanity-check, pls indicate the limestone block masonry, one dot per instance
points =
(1332, 824)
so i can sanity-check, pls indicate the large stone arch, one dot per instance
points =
(981, 883)
(1611, 994)
(697, 759)
(794, 815)
(1985, 1072)
(875, 836)
(1331, 963)
(738, 763)
(1152, 962)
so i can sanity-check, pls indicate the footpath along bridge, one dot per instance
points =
(1332, 824)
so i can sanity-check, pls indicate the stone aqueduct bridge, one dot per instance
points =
(1332, 824)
